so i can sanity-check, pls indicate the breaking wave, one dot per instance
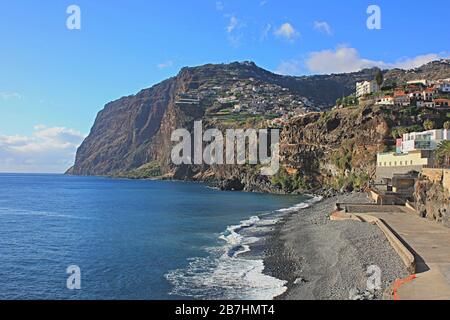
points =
(234, 269)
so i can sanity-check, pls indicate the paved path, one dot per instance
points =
(430, 243)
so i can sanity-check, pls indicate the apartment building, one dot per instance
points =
(366, 87)
(426, 140)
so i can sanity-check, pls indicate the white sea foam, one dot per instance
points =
(302, 205)
(225, 278)
(226, 273)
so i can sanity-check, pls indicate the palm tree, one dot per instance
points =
(394, 133)
(443, 153)
(428, 125)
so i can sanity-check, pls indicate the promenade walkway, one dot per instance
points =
(430, 244)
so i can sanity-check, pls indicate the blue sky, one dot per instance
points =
(53, 80)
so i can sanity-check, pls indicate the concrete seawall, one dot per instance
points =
(421, 244)
(406, 256)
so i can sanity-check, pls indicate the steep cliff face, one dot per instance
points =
(338, 144)
(121, 136)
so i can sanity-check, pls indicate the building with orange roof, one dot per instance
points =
(401, 99)
(386, 101)
(442, 103)
(428, 94)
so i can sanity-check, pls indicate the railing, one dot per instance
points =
(436, 167)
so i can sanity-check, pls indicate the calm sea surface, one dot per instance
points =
(133, 239)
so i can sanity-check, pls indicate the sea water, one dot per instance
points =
(135, 239)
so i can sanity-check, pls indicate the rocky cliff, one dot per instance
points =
(134, 130)
(131, 136)
(432, 201)
(338, 148)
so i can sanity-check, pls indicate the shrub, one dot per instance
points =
(148, 170)
(342, 159)
(289, 183)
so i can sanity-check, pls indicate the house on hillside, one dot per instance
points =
(442, 103)
(425, 104)
(428, 94)
(366, 87)
(444, 86)
(414, 152)
(401, 99)
(426, 140)
(416, 95)
(386, 101)
(421, 82)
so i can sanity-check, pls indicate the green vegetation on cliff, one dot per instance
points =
(288, 182)
(146, 171)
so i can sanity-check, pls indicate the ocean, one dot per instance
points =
(134, 239)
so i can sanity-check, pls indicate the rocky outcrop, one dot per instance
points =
(432, 201)
(340, 143)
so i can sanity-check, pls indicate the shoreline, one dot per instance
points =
(328, 260)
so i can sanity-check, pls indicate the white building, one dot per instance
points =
(230, 99)
(444, 86)
(386, 101)
(366, 87)
(426, 104)
(426, 140)
(423, 82)
(428, 94)
(417, 95)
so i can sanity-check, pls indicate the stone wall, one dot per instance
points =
(388, 172)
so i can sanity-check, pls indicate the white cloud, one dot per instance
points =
(219, 6)
(165, 65)
(46, 150)
(411, 63)
(265, 32)
(323, 27)
(234, 31)
(10, 95)
(343, 59)
(290, 67)
(346, 59)
(286, 30)
(232, 24)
